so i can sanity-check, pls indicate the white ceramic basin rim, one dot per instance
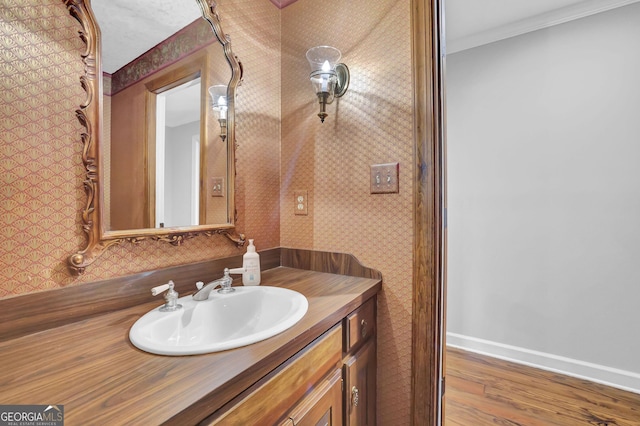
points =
(224, 321)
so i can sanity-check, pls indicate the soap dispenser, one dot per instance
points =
(250, 266)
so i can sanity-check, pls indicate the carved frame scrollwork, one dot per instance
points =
(90, 116)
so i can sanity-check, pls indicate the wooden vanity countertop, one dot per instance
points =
(91, 367)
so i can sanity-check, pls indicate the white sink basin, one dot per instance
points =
(224, 321)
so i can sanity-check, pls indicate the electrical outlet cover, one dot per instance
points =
(301, 202)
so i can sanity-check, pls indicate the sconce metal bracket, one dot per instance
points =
(342, 85)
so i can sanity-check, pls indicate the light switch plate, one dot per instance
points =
(217, 187)
(300, 199)
(384, 178)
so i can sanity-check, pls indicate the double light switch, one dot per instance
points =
(384, 178)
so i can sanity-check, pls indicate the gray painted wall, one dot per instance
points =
(178, 199)
(544, 193)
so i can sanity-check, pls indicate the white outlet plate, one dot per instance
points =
(300, 202)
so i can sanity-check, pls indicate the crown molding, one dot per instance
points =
(534, 23)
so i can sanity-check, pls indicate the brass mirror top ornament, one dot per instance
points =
(89, 116)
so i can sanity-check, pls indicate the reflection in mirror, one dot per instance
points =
(177, 161)
(139, 182)
(218, 95)
(142, 58)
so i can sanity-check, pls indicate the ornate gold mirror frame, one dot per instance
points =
(90, 116)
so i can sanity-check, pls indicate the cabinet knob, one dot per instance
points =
(363, 328)
(355, 396)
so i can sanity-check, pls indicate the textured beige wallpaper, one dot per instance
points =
(40, 148)
(282, 146)
(372, 123)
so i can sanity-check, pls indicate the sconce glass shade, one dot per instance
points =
(328, 77)
(218, 95)
(323, 60)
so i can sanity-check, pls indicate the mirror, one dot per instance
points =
(159, 158)
(153, 59)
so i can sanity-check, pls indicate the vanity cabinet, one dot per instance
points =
(330, 382)
(359, 365)
(321, 371)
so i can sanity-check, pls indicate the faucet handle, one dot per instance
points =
(225, 283)
(199, 285)
(171, 297)
(159, 289)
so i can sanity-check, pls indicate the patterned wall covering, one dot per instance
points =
(40, 158)
(40, 153)
(372, 123)
(282, 146)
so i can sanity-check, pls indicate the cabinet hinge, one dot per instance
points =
(442, 387)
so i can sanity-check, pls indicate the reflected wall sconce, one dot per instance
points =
(218, 95)
(329, 77)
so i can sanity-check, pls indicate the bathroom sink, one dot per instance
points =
(223, 321)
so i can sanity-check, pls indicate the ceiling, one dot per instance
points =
(471, 23)
(468, 17)
(130, 28)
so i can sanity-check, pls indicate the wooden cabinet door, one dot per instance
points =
(323, 406)
(360, 387)
(268, 401)
(360, 325)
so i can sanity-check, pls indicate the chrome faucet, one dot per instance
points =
(224, 283)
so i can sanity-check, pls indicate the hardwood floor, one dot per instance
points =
(482, 390)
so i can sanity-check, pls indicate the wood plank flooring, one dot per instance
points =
(482, 390)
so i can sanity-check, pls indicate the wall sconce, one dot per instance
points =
(329, 78)
(218, 95)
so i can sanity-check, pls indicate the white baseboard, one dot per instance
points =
(621, 379)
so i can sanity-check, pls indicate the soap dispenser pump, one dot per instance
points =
(250, 266)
